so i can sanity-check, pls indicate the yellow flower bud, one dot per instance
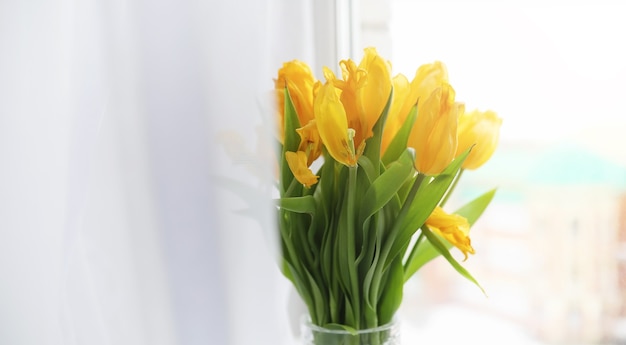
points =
(452, 227)
(434, 136)
(481, 129)
(297, 162)
(299, 80)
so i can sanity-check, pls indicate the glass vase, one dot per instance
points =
(383, 335)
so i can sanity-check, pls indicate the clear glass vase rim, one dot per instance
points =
(306, 320)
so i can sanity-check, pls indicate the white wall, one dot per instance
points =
(112, 228)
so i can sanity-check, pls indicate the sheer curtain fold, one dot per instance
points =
(113, 229)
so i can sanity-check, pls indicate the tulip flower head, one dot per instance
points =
(427, 78)
(434, 136)
(454, 228)
(481, 129)
(300, 82)
(347, 109)
(332, 125)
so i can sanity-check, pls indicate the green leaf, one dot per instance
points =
(350, 316)
(399, 142)
(333, 306)
(441, 248)
(376, 244)
(475, 208)
(392, 292)
(291, 142)
(303, 291)
(300, 204)
(350, 250)
(425, 252)
(319, 302)
(385, 187)
(427, 198)
(366, 165)
(286, 270)
(371, 280)
(372, 147)
(327, 265)
(345, 240)
(324, 193)
(404, 191)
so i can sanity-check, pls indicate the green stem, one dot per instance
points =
(452, 187)
(414, 249)
(356, 303)
(292, 257)
(292, 186)
(380, 262)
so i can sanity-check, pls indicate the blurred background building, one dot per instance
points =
(550, 249)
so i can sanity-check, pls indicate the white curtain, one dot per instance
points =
(113, 114)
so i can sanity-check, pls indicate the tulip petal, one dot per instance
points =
(299, 80)
(395, 119)
(452, 227)
(297, 162)
(374, 94)
(434, 136)
(332, 125)
(481, 129)
(310, 141)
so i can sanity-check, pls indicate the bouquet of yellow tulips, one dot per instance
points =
(387, 153)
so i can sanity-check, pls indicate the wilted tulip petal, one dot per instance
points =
(310, 141)
(454, 228)
(297, 162)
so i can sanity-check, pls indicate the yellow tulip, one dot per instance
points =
(427, 78)
(363, 93)
(332, 125)
(434, 135)
(481, 129)
(297, 162)
(452, 227)
(299, 80)
(310, 141)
